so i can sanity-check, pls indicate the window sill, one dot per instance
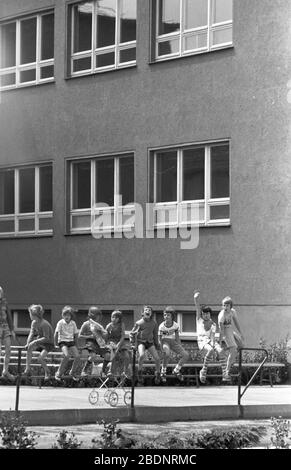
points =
(193, 54)
(28, 85)
(101, 72)
(20, 236)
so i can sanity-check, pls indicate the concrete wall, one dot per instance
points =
(238, 93)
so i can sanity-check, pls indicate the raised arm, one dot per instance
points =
(197, 306)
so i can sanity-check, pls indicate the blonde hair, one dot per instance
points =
(228, 300)
(36, 310)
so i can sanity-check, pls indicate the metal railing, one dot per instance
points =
(240, 394)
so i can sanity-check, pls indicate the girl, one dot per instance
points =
(115, 336)
(227, 320)
(6, 331)
(95, 335)
(145, 334)
(207, 344)
(44, 341)
(66, 334)
(170, 340)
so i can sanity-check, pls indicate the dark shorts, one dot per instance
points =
(45, 347)
(69, 344)
(93, 347)
(146, 344)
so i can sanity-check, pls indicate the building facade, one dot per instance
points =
(178, 109)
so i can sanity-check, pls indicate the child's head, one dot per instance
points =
(227, 303)
(116, 316)
(169, 314)
(95, 313)
(147, 312)
(68, 313)
(206, 312)
(36, 312)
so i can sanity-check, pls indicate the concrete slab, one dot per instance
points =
(67, 406)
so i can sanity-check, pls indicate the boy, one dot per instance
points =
(207, 344)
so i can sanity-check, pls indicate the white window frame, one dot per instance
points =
(37, 65)
(176, 209)
(37, 215)
(15, 316)
(117, 48)
(183, 33)
(116, 210)
(190, 335)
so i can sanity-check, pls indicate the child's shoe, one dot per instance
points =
(58, 377)
(202, 377)
(46, 376)
(226, 378)
(157, 378)
(163, 375)
(177, 373)
(8, 376)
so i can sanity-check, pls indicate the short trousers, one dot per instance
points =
(45, 347)
(4, 332)
(146, 344)
(92, 346)
(174, 346)
(69, 344)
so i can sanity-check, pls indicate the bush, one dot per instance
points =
(220, 438)
(281, 429)
(14, 434)
(66, 440)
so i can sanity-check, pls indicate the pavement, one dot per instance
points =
(70, 406)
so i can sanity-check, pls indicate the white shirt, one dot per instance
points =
(168, 332)
(66, 331)
(202, 333)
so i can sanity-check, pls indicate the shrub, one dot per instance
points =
(14, 434)
(235, 438)
(280, 428)
(112, 438)
(66, 440)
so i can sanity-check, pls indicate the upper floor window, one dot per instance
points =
(190, 185)
(26, 200)
(102, 194)
(184, 27)
(103, 35)
(27, 51)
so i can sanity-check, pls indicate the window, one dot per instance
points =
(27, 51)
(22, 322)
(103, 35)
(26, 200)
(190, 185)
(102, 194)
(183, 27)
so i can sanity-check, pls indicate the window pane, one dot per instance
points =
(193, 174)
(219, 212)
(169, 16)
(166, 178)
(127, 20)
(222, 10)
(126, 179)
(82, 185)
(106, 23)
(82, 64)
(168, 47)
(221, 36)
(188, 322)
(47, 37)
(8, 45)
(196, 41)
(220, 171)
(46, 188)
(127, 55)
(7, 79)
(47, 72)
(26, 190)
(105, 181)
(81, 221)
(46, 224)
(128, 319)
(196, 13)
(28, 41)
(105, 60)
(26, 225)
(82, 27)
(27, 76)
(7, 192)
(6, 226)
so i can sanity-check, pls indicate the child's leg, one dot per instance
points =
(222, 358)
(126, 361)
(7, 343)
(207, 351)
(42, 360)
(64, 362)
(73, 351)
(156, 357)
(106, 360)
(230, 359)
(166, 356)
(141, 355)
(180, 351)
(30, 349)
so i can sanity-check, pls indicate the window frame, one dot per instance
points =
(38, 64)
(18, 216)
(183, 33)
(180, 203)
(15, 312)
(92, 53)
(116, 210)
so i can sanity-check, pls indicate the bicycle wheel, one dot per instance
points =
(93, 397)
(113, 399)
(106, 396)
(127, 398)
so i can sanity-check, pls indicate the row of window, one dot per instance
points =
(101, 35)
(185, 319)
(187, 186)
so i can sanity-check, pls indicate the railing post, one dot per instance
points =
(133, 377)
(18, 380)
(239, 374)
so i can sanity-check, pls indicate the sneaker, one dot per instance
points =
(58, 377)
(7, 375)
(75, 378)
(202, 377)
(177, 373)
(226, 378)
(46, 377)
(157, 378)
(26, 373)
(163, 375)
(84, 373)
